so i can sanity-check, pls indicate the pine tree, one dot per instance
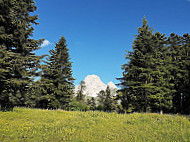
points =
(56, 79)
(18, 62)
(179, 48)
(80, 92)
(101, 99)
(91, 103)
(186, 78)
(136, 81)
(145, 81)
(108, 102)
(163, 87)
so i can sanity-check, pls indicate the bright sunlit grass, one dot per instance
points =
(35, 125)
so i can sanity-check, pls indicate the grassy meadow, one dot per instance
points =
(34, 125)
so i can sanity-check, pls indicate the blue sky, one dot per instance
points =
(99, 31)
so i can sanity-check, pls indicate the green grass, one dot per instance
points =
(35, 125)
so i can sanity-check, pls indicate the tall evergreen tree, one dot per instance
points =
(80, 93)
(91, 103)
(56, 79)
(101, 99)
(163, 87)
(186, 63)
(18, 62)
(136, 81)
(145, 81)
(178, 51)
(106, 100)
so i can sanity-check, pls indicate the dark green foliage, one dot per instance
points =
(109, 102)
(147, 81)
(106, 100)
(91, 103)
(79, 102)
(179, 49)
(186, 66)
(78, 105)
(18, 62)
(136, 76)
(80, 93)
(56, 80)
(34, 94)
(101, 99)
(161, 98)
(157, 76)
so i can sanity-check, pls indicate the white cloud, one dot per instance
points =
(45, 43)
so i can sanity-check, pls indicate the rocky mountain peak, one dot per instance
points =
(94, 85)
(112, 85)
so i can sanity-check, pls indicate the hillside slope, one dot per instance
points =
(56, 126)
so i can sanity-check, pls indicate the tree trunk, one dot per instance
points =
(161, 111)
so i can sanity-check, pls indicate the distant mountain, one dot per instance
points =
(94, 85)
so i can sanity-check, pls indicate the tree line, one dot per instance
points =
(105, 100)
(156, 77)
(19, 65)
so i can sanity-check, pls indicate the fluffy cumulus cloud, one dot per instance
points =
(45, 43)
